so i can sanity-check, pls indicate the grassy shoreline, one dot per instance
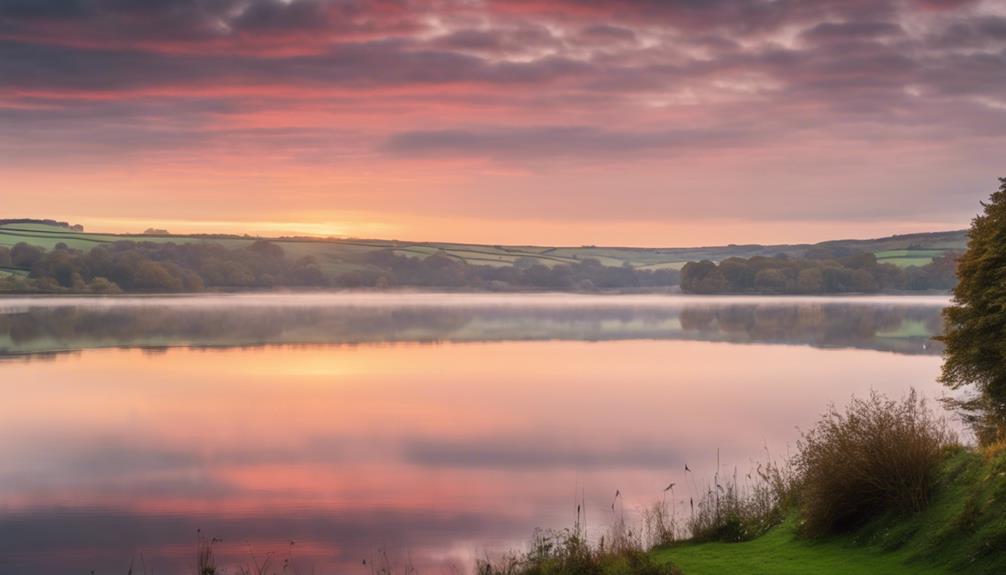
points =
(881, 486)
(963, 529)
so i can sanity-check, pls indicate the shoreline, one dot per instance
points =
(358, 298)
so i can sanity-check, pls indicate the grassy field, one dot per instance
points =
(908, 257)
(962, 530)
(780, 552)
(341, 255)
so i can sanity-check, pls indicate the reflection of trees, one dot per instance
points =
(86, 327)
(823, 325)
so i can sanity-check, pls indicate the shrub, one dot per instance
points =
(877, 456)
(103, 286)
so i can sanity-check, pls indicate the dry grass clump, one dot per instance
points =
(205, 562)
(660, 526)
(730, 511)
(568, 552)
(877, 455)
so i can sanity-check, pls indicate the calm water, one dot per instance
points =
(431, 428)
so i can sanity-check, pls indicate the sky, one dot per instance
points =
(609, 122)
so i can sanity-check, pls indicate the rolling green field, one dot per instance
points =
(962, 530)
(342, 255)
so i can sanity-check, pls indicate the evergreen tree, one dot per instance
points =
(975, 330)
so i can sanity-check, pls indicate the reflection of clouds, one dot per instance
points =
(106, 468)
(543, 453)
(60, 540)
(143, 467)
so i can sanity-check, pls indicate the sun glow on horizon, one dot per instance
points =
(318, 229)
(409, 228)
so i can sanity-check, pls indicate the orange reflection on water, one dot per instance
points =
(443, 450)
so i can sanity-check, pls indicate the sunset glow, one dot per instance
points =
(567, 122)
(506, 287)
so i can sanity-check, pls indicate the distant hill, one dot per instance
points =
(341, 255)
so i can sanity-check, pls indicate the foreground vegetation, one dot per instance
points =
(881, 487)
(962, 529)
(976, 323)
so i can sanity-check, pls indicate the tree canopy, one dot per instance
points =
(819, 271)
(195, 266)
(975, 330)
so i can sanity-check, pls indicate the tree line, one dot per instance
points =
(821, 270)
(55, 223)
(144, 266)
(155, 267)
(387, 269)
(128, 266)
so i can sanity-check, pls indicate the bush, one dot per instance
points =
(877, 456)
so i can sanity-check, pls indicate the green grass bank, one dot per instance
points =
(962, 530)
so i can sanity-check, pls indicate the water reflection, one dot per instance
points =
(437, 453)
(29, 326)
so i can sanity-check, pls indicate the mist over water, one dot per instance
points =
(330, 420)
(36, 325)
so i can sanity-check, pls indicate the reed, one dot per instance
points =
(734, 510)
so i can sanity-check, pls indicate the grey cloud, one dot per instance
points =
(736, 16)
(196, 20)
(845, 31)
(30, 66)
(553, 141)
(841, 70)
(274, 15)
(609, 33)
(976, 32)
(14, 10)
(523, 39)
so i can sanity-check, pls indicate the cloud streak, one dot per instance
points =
(552, 141)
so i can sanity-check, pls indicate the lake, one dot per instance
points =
(423, 429)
